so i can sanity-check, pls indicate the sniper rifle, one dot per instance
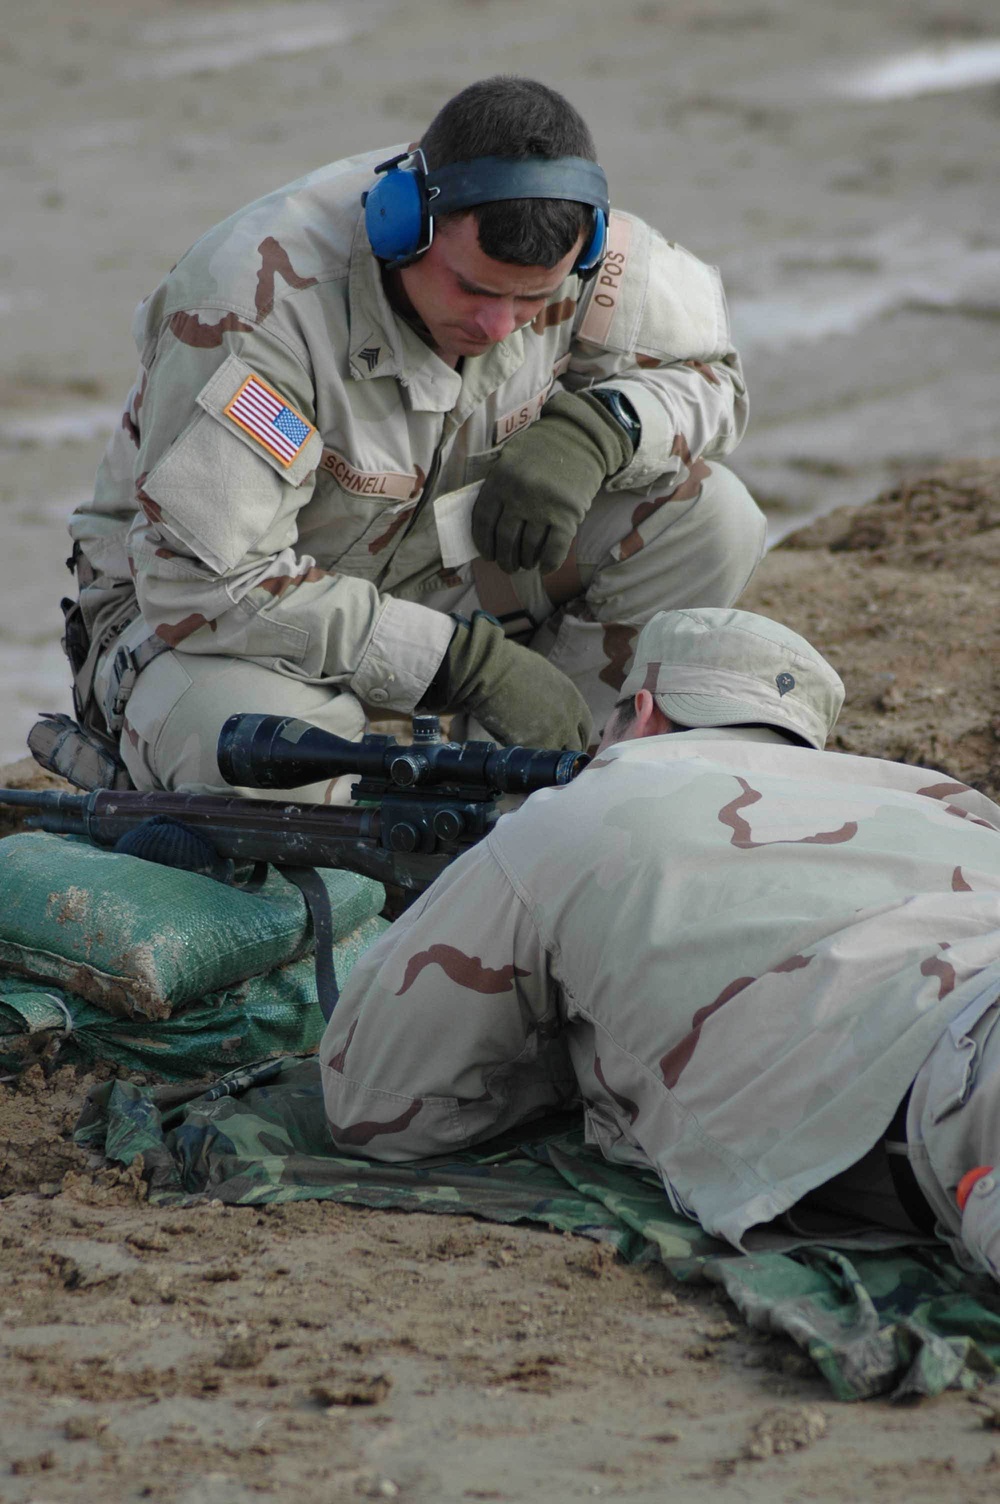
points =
(420, 804)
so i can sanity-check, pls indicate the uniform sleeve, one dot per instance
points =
(654, 325)
(448, 1031)
(227, 454)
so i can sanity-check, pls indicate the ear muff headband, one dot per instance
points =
(490, 180)
(401, 205)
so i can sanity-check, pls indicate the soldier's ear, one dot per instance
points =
(649, 718)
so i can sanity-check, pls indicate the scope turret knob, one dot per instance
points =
(407, 768)
(426, 728)
(448, 824)
(404, 837)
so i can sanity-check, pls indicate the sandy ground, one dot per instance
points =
(217, 1356)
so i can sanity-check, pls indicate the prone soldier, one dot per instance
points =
(768, 973)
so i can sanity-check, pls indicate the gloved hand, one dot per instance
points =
(518, 695)
(541, 486)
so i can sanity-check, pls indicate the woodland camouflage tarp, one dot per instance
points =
(904, 1321)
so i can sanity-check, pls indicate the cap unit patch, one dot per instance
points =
(266, 417)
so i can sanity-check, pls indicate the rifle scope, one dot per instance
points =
(282, 752)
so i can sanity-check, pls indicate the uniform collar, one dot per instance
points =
(383, 344)
(757, 733)
(681, 744)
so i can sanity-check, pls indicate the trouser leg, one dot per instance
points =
(180, 703)
(953, 1126)
(633, 555)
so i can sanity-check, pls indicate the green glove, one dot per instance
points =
(518, 695)
(541, 487)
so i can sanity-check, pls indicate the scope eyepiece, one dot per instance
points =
(522, 770)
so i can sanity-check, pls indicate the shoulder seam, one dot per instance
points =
(247, 315)
(521, 893)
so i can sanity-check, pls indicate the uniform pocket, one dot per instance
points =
(372, 528)
(156, 695)
(214, 494)
(355, 515)
(479, 465)
(969, 1033)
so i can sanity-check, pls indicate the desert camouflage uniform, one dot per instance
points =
(297, 576)
(738, 953)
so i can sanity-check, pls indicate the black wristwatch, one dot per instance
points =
(621, 410)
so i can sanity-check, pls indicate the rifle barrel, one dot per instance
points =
(288, 834)
(64, 813)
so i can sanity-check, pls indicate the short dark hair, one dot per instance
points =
(625, 711)
(625, 714)
(506, 116)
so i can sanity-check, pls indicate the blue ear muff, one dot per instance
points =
(400, 205)
(589, 260)
(396, 213)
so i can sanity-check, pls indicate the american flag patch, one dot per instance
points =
(266, 417)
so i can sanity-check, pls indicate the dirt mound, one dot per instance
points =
(925, 522)
(900, 595)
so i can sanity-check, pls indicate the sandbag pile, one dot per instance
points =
(108, 956)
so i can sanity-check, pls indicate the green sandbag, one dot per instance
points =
(138, 938)
(273, 1015)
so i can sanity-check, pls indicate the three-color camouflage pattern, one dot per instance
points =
(737, 953)
(300, 539)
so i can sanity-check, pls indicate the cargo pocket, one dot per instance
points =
(156, 696)
(380, 526)
(969, 1032)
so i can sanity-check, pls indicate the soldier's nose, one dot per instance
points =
(497, 321)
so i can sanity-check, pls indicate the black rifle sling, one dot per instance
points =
(313, 890)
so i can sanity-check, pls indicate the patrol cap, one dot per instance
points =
(717, 666)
